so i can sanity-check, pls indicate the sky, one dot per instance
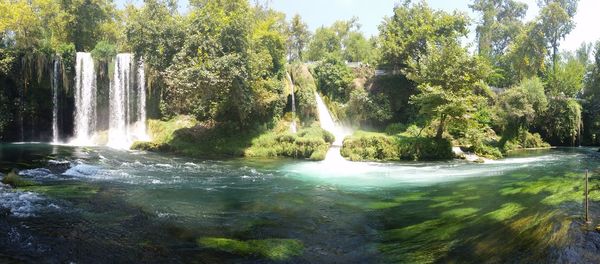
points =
(370, 13)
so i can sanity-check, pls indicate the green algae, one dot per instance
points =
(274, 249)
(461, 212)
(16, 181)
(64, 191)
(506, 211)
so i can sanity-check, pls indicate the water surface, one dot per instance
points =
(121, 206)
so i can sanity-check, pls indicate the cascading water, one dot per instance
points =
(293, 127)
(54, 84)
(85, 99)
(141, 91)
(328, 124)
(127, 103)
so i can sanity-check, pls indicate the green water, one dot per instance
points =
(116, 206)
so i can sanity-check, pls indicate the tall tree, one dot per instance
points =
(298, 38)
(501, 21)
(410, 32)
(556, 18)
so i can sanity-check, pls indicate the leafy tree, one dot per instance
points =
(410, 33)
(519, 106)
(526, 55)
(567, 78)
(325, 42)
(591, 103)
(500, 24)
(447, 77)
(298, 38)
(333, 79)
(556, 18)
(357, 48)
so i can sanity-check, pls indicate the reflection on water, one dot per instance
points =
(137, 206)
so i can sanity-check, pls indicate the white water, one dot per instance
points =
(127, 104)
(85, 100)
(328, 124)
(55, 136)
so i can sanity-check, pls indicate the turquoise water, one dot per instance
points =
(120, 206)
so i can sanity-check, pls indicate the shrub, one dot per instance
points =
(309, 143)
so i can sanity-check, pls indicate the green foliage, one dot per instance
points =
(272, 249)
(333, 79)
(309, 143)
(413, 29)
(304, 88)
(104, 51)
(519, 106)
(566, 79)
(298, 38)
(562, 121)
(371, 146)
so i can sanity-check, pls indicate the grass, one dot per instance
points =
(311, 143)
(273, 249)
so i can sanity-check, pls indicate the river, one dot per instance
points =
(125, 207)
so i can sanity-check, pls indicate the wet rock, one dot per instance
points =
(58, 166)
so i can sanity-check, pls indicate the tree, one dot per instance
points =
(298, 38)
(333, 79)
(410, 33)
(591, 102)
(556, 18)
(519, 106)
(526, 55)
(501, 22)
(447, 77)
(567, 78)
(324, 43)
(357, 48)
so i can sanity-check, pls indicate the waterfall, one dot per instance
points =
(141, 104)
(85, 99)
(328, 124)
(54, 84)
(293, 127)
(127, 103)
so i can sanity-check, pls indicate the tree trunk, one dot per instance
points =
(441, 127)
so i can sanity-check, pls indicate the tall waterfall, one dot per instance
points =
(54, 84)
(293, 127)
(85, 99)
(127, 103)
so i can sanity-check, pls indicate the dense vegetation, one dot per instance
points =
(226, 64)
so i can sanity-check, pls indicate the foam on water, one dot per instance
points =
(371, 174)
(20, 204)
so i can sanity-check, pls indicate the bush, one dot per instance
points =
(363, 146)
(395, 128)
(370, 146)
(309, 143)
(425, 148)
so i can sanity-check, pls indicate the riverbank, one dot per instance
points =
(185, 136)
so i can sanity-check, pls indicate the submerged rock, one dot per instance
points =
(59, 166)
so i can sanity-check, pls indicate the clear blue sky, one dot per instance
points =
(371, 12)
